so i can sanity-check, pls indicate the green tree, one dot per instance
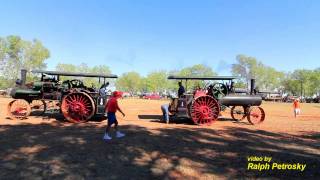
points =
(101, 69)
(129, 82)
(3, 50)
(267, 78)
(302, 82)
(198, 70)
(248, 68)
(291, 86)
(17, 54)
(144, 84)
(66, 67)
(315, 81)
(3, 83)
(245, 67)
(157, 81)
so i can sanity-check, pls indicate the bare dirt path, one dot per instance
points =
(42, 148)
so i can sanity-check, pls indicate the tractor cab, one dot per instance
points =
(179, 106)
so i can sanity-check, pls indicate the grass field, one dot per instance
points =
(49, 148)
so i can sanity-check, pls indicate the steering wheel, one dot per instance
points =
(76, 83)
(206, 85)
(219, 90)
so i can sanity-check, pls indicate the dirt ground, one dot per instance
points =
(49, 148)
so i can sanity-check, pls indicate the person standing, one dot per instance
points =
(181, 89)
(103, 89)
(296, 107)
(210, 90)
(111, 108)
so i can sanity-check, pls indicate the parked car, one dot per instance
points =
(141, 95)
(152, 96)
(3, 92)
(314, 99)
(289, 99)
(126, 94)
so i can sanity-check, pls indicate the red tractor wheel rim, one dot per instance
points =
(77, 107)
(204, 110)
(256, 115)
(238, 113)
(19, 108)
(38, 107)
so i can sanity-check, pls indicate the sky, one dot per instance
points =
(151, 35)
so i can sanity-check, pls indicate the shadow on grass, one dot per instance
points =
(76, 151)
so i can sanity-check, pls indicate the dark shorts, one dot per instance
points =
(111, 118)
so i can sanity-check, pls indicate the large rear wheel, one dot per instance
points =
(19, 109)
(204, 110)
(77, 107)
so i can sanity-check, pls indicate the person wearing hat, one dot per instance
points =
(111, 108)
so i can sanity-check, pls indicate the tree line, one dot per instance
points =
(16, 54)
(299, 82)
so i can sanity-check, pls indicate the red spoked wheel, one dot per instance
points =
(19, 109)
(238, 113)
(77, 107)
(38, 107)
(204, 110)
(256, 115)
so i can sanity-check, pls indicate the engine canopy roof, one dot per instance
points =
(60, 73)
(203, 77)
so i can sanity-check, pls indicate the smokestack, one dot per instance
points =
(23, 76)
(252, 86)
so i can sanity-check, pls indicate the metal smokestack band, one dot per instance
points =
(23, 76)
(252, 86)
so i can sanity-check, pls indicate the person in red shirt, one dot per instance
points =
(111, 108)
(296, 107)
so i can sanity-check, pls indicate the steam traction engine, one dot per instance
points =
(203, 106)
(77, 102)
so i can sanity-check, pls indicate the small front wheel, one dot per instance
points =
(19, 109)
(238, 113)
(256, 115)
(38, 107)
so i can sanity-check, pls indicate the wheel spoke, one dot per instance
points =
(256, 115)
(19, 109)
(204, 110)
(79, 107)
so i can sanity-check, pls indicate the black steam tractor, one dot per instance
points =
(77, 102)
(203, 105)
